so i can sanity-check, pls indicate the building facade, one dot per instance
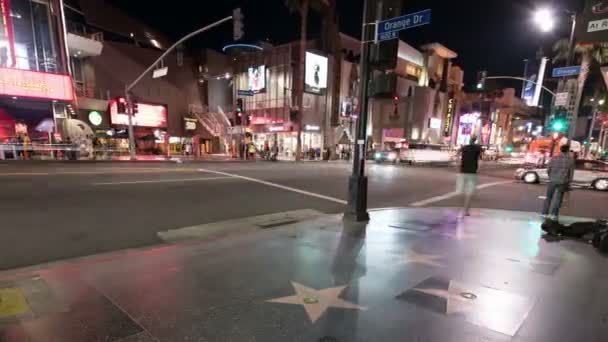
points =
(173, 103)
(36, 92)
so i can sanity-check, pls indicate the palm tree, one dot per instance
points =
(591, 57)
(302, 7)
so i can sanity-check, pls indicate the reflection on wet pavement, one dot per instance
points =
(409, 275)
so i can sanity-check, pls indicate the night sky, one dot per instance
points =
(493, 35)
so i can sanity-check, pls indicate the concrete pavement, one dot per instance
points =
(409, 275)
(63, 210)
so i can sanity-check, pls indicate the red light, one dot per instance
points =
(240, 114)
(122, 100)
(555, 136)
(396, 98)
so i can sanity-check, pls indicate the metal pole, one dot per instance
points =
(523, 87)
(357, 188)
(577, 102)
(593, 118)
(163, 55)
(132, 152)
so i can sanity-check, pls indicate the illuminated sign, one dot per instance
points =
(190, 124)
(315, 80)
(276, 129)
(95, 118)
(312, 128)
(32, 84)
(449, 117)
(257, 79)
(149, 115)
(435, 123)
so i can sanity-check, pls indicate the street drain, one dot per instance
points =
(468, 295)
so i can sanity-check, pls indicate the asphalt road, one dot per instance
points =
(52, 211)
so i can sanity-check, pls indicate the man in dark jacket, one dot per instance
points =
(467, 180)
(560, 170)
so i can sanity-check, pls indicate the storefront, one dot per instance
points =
(33, 105)
(149, 127)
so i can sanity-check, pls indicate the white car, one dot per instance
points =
(426, 153)
(588, 174)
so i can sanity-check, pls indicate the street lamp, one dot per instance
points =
(545, 19)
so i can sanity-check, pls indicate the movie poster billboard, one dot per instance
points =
(257, 79)
(315, 80)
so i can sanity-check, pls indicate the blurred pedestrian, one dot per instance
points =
(560, 170)
(467, 180)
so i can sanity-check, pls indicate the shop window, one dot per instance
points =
(33, 40)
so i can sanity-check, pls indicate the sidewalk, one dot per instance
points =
(412, 275)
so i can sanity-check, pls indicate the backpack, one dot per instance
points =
(600, 239)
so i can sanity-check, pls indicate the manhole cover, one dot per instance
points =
(311, 300)
(468, 295)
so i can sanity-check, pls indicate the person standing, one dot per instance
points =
(467, 180)
(560, 170)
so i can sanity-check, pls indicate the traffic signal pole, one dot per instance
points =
(129, 87)
(356, 208)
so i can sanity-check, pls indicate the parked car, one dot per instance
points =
(588, 174)
(426, 153)
(391, 156)
(490, 152)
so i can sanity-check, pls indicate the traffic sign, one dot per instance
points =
(562, 99)
(567, 71)
(388, 29)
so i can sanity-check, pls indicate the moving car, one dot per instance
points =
(426, 153)
(588, 174)
(386, 156)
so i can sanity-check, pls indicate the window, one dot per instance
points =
(33, 40)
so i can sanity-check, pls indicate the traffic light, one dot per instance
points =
(481, 79)
(237, 20)
(240, 108)
(558, 125)
(135, 108)
(121, 105)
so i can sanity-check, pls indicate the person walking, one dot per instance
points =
(467, 180)
(560, 170)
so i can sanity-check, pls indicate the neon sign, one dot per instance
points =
(40, 85)
(149, 115)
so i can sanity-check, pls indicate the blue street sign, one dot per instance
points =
(388, 29)
(245, 92)
(567, 71)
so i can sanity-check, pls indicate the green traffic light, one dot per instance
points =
(509, 149)
(558, 126)
(479, 86)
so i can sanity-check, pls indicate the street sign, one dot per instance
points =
(245, 92)
(158, 73)
(235, 130)
(567, 71)
(562, 99)
(388, 29)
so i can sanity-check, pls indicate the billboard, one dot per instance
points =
(535, 74)
(592, 24)
(149, 115)
(37, 85)
(256, 79)
(315, 79)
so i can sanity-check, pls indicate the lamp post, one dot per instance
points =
(545, 20)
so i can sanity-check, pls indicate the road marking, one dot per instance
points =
(278, 186)
(183, 180)
(454, 194)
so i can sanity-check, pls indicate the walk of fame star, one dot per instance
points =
(316, 302)
(412, 257)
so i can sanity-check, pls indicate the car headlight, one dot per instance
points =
(392, 156)
(378, 155)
